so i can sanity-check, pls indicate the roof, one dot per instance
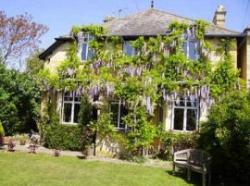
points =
(57, 43)
(150, 22)
(153, 22)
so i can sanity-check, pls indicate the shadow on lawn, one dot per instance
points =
(195, 179)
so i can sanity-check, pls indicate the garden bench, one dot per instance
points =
(193, 160)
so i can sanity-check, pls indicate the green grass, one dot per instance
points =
(40, 169)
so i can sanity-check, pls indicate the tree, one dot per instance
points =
(34, 64)
(18, 35)
(19, 100)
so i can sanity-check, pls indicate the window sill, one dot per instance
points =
(66, 123)
(183, 131)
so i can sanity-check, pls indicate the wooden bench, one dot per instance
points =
(193, 160)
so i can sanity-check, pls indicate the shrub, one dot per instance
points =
(22, 138)
(171, 141)
(19, 100)
(226, 136)
(1, 130)
(1, 134)
(63, 137)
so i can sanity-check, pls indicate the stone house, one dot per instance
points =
(151, 22)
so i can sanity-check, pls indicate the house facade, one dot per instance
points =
(182, 116)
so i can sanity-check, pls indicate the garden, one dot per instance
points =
(142, 82)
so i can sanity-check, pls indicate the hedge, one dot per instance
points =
(63, 137)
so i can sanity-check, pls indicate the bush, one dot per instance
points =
(63, 137)
(226, 136)
(19, 100)
(1, 134)
(170, 141)
(1, 129)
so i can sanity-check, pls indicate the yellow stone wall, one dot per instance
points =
(54, 60)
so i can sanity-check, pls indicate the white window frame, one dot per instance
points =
(73, 103)
(185, 107)
(118, 122)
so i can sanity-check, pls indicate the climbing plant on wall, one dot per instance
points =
(160, 70)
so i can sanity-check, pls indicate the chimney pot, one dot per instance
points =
(219, 16)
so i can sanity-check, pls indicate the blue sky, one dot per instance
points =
(60, 15)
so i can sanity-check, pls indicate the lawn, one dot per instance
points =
(41, 169)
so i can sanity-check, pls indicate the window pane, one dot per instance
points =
(178, 118)
(192, 103)
(68, 96)
(191, 119)
(76, 113)
(90, 53)
(193, 53)
(124, 112)
(180, 102)
(84, 51)
(67, 112)
(185, 47)
(128, 49)
(160, 114)
(114, 110)
(77, 97)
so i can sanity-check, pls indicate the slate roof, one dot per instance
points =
(150, 22)
(154, 22)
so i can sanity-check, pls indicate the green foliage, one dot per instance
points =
(1, 129)
(226, 136)
(19, 100)
(140, 80)
(142, 132)
(225, 76)
(94, 30)
(86, 111)
(103, 126)
(34, 64)
(63, 137)
(170, 141)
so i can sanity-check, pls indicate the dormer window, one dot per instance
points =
(128, 49)
(85, 51)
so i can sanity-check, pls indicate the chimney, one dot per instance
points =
(219, 16)
(108, 18)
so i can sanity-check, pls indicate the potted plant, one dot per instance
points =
(22, 139)
(11, 145)
(1, 134)
(56, 153)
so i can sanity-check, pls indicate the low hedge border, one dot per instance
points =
(63, 137)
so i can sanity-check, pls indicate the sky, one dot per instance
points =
(60, 15)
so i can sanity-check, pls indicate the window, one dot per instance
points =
(85, 51)
(71, 107)
(190, 47)
(185, 114)
(118, 111)
(128, 49)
